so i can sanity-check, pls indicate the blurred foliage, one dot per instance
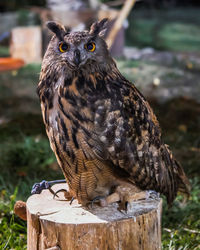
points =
(13, 5)
(160, 3)
(27, 18)
(4, 51)
(24, 162)
(165, 30)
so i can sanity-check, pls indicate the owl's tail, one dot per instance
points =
(183, 182)
(178, 181)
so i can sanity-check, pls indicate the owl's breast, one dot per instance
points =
(83, 112)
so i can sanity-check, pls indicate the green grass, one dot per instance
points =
(181, 223)
(25, 160)
(12, 229)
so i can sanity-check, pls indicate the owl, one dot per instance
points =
(102, 130)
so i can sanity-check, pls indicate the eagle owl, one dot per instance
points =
(102, 130)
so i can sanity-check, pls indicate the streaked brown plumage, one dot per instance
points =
(101, 129)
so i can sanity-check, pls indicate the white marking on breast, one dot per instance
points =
(103, 138)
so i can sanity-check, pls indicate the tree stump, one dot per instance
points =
(55, 224)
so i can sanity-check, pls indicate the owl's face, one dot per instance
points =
(78, 50)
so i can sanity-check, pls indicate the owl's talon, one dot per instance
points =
(53, 193)
(67, 195)
(59, 191)
(38, 187)
(72, 199)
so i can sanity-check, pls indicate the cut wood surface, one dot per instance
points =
(55, 224)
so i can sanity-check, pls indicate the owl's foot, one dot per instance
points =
(127, 196)
(38, 187)
(130, 204)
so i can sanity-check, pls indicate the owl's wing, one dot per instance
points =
(127, 134)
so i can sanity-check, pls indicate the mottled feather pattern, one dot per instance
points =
(102, 130)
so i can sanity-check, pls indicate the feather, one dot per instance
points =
(57, 28)
(98, 28)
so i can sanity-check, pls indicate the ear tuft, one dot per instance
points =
(98, 28)
(57, 28)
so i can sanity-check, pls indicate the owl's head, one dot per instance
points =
(78, 51)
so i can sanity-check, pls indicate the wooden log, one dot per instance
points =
(128, 5)
(55, 224)
(117, 47)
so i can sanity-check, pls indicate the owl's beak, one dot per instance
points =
(77, 57)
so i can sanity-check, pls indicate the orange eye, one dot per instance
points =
(90, 46)
(63, 47)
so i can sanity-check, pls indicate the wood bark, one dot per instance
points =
(55, 224)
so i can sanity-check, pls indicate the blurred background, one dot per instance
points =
(157, 47)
